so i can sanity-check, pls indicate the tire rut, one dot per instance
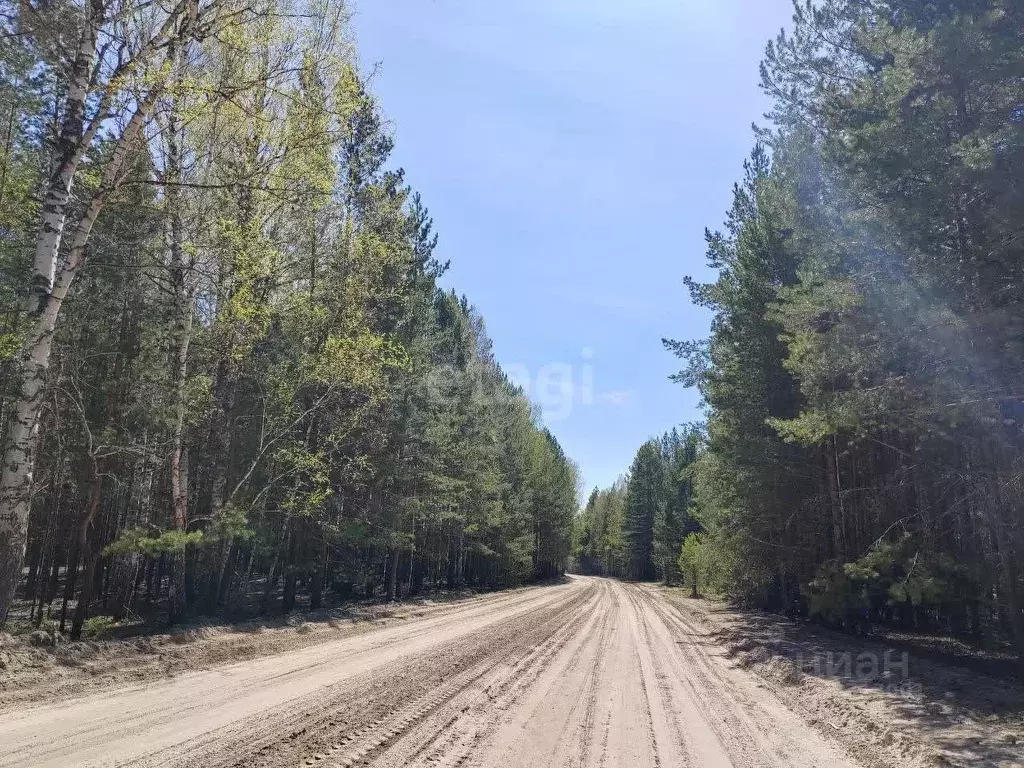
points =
(375, 709)
(448, 738)
(589, 674)
(755, 728)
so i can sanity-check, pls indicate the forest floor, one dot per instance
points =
(588, 673)
(891, 700)
(57, 669)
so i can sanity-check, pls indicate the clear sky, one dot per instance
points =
(571, 153)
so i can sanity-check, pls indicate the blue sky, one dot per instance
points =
(571, 153)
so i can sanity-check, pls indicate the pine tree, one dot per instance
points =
(645, 502)
(862, 365)
(673, 522)
(257, 396)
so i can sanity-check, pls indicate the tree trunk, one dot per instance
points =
(48, 293)
(272, 575)
(392, 583)
(181, 339)
(35, 563)
(1014, 608)
(316, 589)
(177, 601)
(19, 458)
(88, 544)
(85, 596)
(225, 574)
(290, 570)
(418, 572)
(69, 580)
(831, 451)
(288, 592)
(156, 579)
(126, 578)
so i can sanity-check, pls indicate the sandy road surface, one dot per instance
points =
(590, 673)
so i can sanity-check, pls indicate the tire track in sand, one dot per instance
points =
(591, 674)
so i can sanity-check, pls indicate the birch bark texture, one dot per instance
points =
(109, 96)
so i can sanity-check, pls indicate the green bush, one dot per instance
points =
(98, 626)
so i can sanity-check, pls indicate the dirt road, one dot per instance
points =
(589, 673)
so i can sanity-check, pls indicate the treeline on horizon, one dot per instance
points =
(864, 446)
(636, 528)
(231, 381)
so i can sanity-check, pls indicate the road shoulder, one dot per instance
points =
(33, 674)
(887, 705)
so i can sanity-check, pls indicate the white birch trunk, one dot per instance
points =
(23, 428)
(50, 283)
(41, 311)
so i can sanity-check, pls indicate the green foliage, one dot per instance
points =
(673, 521)
(636, 527)
(645, 500)
(598, 544)
(258, 380)
(893, 574)
(97, 627)
(144, 541)
(862, 368)
(693, 561)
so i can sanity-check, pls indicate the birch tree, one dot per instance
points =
(242, 409)
(108, 77)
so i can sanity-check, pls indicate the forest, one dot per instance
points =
(862, 462)
(636, 528)
(231, 380)
(864, 449)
